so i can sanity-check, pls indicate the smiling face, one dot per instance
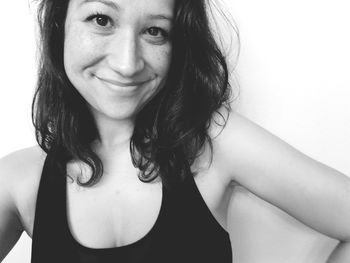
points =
(117, 52)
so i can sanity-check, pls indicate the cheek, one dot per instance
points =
(163, 60)
(79, 51)
(166, 54)
(77, 58)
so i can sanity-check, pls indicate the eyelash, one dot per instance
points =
(99, 15)
(92, 18)
(163, 32)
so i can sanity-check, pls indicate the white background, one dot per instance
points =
(294, 75)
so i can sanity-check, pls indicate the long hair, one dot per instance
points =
(170, 130)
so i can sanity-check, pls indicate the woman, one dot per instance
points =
(132, 107)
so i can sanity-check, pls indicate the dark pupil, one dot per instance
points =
(153, 31)
(102, 21)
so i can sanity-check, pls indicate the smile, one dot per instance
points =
(122, 84)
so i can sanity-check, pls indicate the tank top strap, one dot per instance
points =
(49, 229)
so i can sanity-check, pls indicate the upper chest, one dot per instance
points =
(120, 212)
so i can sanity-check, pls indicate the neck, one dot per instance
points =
(113, 145)
(114, 134)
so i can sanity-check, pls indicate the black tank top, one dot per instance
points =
(185, 230)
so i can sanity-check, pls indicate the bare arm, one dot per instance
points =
(10, 224)
(341, 253)
(313, 193)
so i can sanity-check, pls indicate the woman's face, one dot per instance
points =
(117, 52)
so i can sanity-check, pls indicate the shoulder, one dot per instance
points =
(280, 174)
(244, 150)
(236, 127)
(20, 174)
(247, 154)
(234, 139)
(21, 165)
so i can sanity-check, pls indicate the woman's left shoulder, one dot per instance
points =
(256, 158)
(238, 142)
(246, 151)
(280, 174)
(229, 125)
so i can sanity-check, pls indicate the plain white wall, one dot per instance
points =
(294, 75)
(293, 72)
(18, 73)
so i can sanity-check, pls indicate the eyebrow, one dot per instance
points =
(115, 6)
(164, 17)
(109, 3)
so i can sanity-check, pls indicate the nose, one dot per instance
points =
(125, 56)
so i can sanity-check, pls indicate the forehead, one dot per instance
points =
(165, 7)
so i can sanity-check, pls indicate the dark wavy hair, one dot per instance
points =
(170, 131)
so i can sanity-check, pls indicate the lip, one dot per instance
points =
(122, 84)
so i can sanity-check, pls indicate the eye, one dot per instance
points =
(100, 20)
(157, 32)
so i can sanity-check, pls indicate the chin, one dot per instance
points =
(115, 113)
